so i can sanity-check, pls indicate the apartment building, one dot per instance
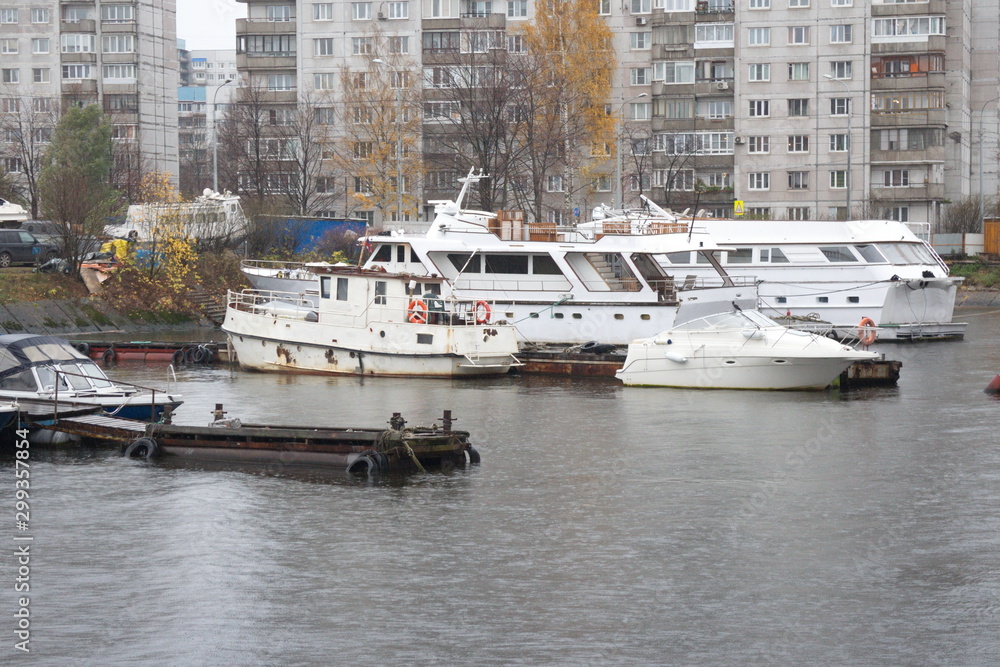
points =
(798, 109)
(120, 55)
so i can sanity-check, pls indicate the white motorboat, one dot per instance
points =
(11, 212)
(740, 349)
(368, 322)
(49, 368)
(833, 271)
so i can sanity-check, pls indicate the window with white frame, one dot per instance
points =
(841, 3)
(440, 76)
(798, 212)
(839, 143)
(279, 82)
(670, 6)
(838, 179)
(760, 4)
(602, 183)
(640, 76)
(79, 71)
(118, 43)
(896, 178)
(759, 36)
(518, 9)
(719, 109)
(399, 44)
(399, 10)
(760, 72)
(798, 4)
(554, 183)
(675, 108)
(323, 11)
(323, 46)
(641, 6)
(120, 13)
(325, 115)
(640, 41)
(798, 143)
(840, 106)
(639, 182)
(40, 75)
(898, 213)
(671, 71)
(442, 110)
(75, 14)
(39, 15)
(841, 69)
(78, 43)
(907, 28)
(759, 180)
(640, 111)
(123, 132)
(759, 144)
(324, 81)
(119, 72)
(713, 35)
(516, 44)
(798, 35)
(10, 75)
(279, 13)
(9, 46)
(760, 108)
(362, 46)
(8, 16)
(718, 179)
(798, 180)
(798, 71)
(361, 11)
(557, 217)
(841, 34)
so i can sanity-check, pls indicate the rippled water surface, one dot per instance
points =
(605, 526)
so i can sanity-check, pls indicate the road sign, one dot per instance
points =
(738, 207)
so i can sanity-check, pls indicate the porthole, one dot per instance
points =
(823, 299)
(781, 299)
(558, 316)
(854, 299)
(381, 334)
(644, 316)
(619, 316)
(779, 361)
(509, 315)
(533, 315)
(263, 343)
(577, 316)
(729, 362)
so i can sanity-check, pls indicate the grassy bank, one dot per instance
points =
(978, 274)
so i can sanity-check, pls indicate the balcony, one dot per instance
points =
(266, 61)
(908, 118)
(922, 191)
(117, 28)
(721, 87)
(81, 25)
(74, 58)
(882, 10)
(264, 27)
(79, 86)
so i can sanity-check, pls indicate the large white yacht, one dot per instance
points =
(832, 271)
(559, 286)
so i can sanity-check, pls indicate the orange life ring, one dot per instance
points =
(482, 306)
(416, 312)
(866, 331)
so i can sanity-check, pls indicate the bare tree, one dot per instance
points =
(26, 126)
(310, 186)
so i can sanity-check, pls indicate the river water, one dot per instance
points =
(606, 525)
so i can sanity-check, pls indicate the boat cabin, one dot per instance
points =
(34, 366)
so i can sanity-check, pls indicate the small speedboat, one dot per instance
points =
(45, 367)
(739, 349)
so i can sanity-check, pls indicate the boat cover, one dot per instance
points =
(21, 351)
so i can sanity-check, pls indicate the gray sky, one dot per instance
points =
(209, 24)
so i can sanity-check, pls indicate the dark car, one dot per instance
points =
(50, 232)
(21, 247)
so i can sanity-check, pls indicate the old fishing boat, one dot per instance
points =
(369, 322)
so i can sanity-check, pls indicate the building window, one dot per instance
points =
(399, 44)
(324, 81)
(896, 178)
(279, 13)
(78, 43)
(798, 143)
(842, 3)
(759, 144)
(10, 47)
(798, 35)
(898, 213)
(325, 116)
(903, 101)
(323, 11)
(117, 14)
(554, 184)
(639, 41)
(760, 36)
(118, 43)
(798, 107)
(841, 34)
(760, 108)
(8, 16)
(362, 149)
(798, 212)
(323, 46)
(603, 8)
(760, 4)
(362, 46)
(641, 6)
(640, 111)
(40, 15)
(40, 75)
(399, 10)
(123, 132)
(442, 42)
(838, 179)
(840, 69)
(760, 180)
(713, 34)
(798, 4)
(124, 72)
(76, 72)
(277, 82)
(40, 45)
(674, 71)
(840, 106)
(518, 9)
(719, 109)
(670, 6)
(760, 72)
(798, 180)
(798, 71)
(907, 28)
(640, 76)
(602, 183)
(839, 143)
(10, 75)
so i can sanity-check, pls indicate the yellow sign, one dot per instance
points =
(737, 207)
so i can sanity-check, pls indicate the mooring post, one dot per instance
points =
(446, 421)
(397, 422)
(218, 413)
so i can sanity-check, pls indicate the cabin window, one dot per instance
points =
(401, 253)
(380, 288)
(544, 265)
(341, 289)
(577, 316)
(324, 287)
(853, 299)
(23, 381)
(533, 315)
(383, 253)
(679, 257)
(740, 256)
(822, 299)
(428, 288)
(781, 299)
(507, 264)
(773, 255)
(838, 253)
(75, 381)
(644, 316)
(425, 339)
(701, 257)
(870, 254)
(464, 262)
(558, 316)
(619, 316)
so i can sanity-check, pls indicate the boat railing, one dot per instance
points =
(268, 265)
(282, 305)
(432, 309)
(117, 383)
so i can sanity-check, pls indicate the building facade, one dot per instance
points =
(799, 109)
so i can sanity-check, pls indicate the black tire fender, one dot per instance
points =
(143, 448)
(474, 457)
(363, 465)
(82, 348)
(178, 358)
(201, 355)
(110, 357)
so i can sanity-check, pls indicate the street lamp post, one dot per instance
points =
(215, 137)
(850, 141)
(618, 150)
(399, 143)
(982, 149)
